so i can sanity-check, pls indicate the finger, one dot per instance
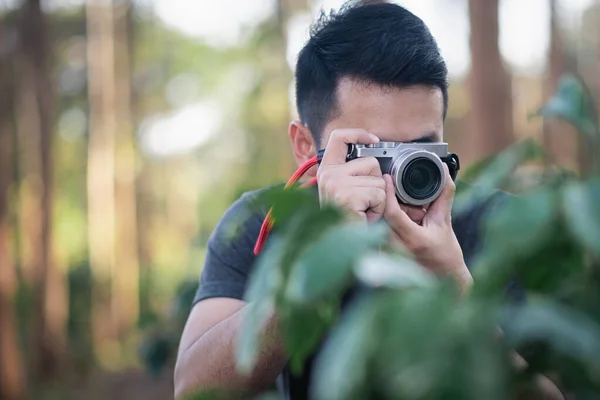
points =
(337, 145)
(362, 198)
(371, 199)
(377, 205)
(362, 166)
(395, 216)
(368, 203)
(343, 188)
(415, 213)
(441, 209)
(367, 182)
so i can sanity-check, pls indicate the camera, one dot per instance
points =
(416, 168)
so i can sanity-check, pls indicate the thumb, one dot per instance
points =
(395, 216)
(441, 209)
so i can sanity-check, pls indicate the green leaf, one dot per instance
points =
(566, 331)
(412, 345)
(341, 369)
(216, 394)
(517, 227)
(392, 271)
(432, 346)
(286, 203)
(326, 265)
(250, 336)
(496, 174)
(298, 226)
(302, 230)
(297, 232)
(269, 396)
(471, 173)
(581, 205)
(264, 282)
(526, 240)
(304, 329)
(582, 292)
(513, 232)
(573, 103)
(266, 277)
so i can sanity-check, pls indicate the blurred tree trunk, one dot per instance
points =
(101, 171)
(560, 139)
(146, 207)
(557, 57)
(28, 146)
(126, 282)
(50, 308)
(12, 372)
(111, 177)
(29, 208)
(588, 65)
(491, 114)
(287, 10)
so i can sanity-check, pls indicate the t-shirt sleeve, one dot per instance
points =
(230, 252)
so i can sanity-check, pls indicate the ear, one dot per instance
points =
(303, 144)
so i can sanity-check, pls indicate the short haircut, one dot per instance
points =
(372, 42)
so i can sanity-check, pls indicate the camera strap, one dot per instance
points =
(267, 225)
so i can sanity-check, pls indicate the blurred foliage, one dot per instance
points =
(552, 224)
(408, 335)
(80, 335)
(160, 343)
(176, 203)
(574, 103)
(252, 84)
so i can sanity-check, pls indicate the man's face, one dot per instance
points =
(392, 114)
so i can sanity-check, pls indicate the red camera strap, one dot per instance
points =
(268, 222)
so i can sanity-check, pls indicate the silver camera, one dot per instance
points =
(416, 168)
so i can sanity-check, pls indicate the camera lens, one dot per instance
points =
(421, 178)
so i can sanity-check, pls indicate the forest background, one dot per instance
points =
(128, 127)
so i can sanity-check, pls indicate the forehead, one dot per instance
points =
(393, 114)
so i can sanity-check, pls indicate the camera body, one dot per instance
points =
(416, 168)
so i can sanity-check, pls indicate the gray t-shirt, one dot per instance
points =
(228, 262)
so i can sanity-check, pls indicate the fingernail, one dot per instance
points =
(374, 138)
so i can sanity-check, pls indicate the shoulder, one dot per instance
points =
(230, 249)
(241, 222)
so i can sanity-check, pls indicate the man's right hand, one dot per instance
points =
(355, 185)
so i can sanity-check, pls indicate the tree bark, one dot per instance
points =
(491, 114)
(560, 139)
(111, 177)
(101, 172)
(49, 285)
(125, 300)
(12, 372)
(588, 65)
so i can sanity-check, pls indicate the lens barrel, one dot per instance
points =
(419, 176)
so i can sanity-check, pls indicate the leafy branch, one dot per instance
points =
(388, 328)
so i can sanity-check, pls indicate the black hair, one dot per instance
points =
(372, 42)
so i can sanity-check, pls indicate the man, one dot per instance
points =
(370, 73)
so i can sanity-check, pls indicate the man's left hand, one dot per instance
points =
(433, 242)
